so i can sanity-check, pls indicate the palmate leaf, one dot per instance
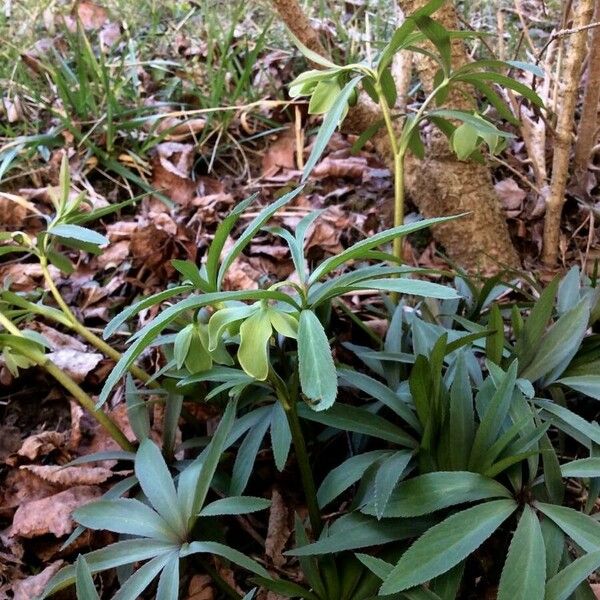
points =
(524, 573)
(435, 491)
(446, 544)
(318, 377)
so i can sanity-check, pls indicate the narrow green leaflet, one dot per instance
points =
(435, 491)
(125, 515)
(281, 436)
(250, 230)
(118, 320)
(581, 528)
(351, 418)
(446, 544)
(586, 384)
(157, 483)
(524, 573)
(361, 249)
(195, 480)
(564, 583)
(584, 467)
(126, 552)
(559, 344)
(234, 505)
(226, 552)
(318, 377)
(168, 584)
(349, 472)
(391, 470)
(84, 583)
(330, 122)
(142, 578)
(414, 287)
(81, 234)
(462, 415)
(356, 531)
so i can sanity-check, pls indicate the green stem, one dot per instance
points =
(398, 152)
(289, 404)
(398, 251)
(80, 395)
(86, 334)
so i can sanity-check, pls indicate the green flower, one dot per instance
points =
(192, 349)
(255, 324)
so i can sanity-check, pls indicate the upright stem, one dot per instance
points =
(398, 154)
(80, 395)
(398, 203)
(289, 404)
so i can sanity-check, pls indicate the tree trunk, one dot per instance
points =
(568, 89)
(439, 185)
(588, 125)
(443, 185)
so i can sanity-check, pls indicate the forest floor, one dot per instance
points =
(189, 100)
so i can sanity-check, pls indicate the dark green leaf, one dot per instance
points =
(446, 544)
(318, 377)
(524, 573)
(435, 491)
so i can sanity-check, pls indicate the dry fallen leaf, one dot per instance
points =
(201, 588)
(52, 514)
(172, 166)
(41, 444)
(92, 15)
(280, 154)
(29, 588)
(278, 531)
(352, 166)
(70, 476)
(10, 440)
(75, 364)
(511, 195)
(20, 486)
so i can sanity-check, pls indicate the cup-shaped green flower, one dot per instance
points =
(255, 324)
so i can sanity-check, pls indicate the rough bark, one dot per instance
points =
(568, 91)
(440, 185)
(588, 125)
